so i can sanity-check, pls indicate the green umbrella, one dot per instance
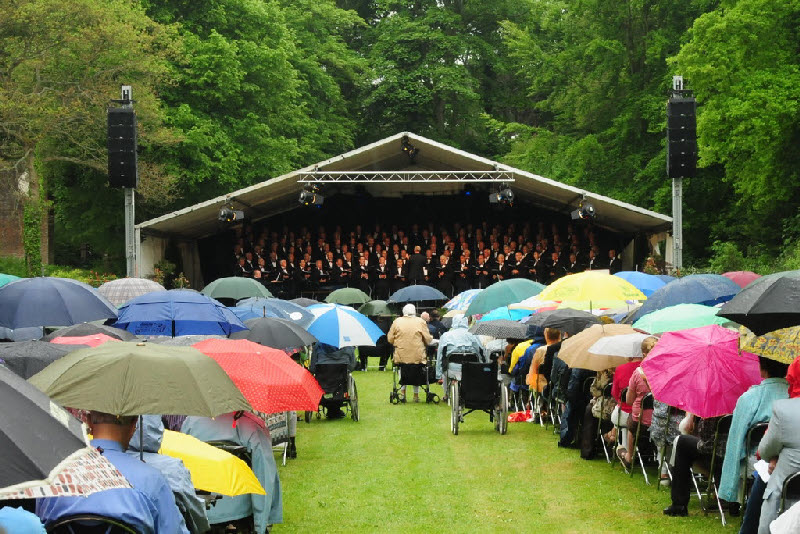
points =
(502, 294)
(679, 317)
(235, 287)
(6, 278)
(140, 378)
(375, 308)
(347, 296)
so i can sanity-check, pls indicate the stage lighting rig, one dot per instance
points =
(228, 215)
(310, 196)
(585, 211)
(503, 196)
(408, 149)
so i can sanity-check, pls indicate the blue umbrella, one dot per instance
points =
(462, 300)
(177, 312)
(32, 302)
(272, 307)
(646, 283)
(504, 313)
(706, 289)
(666, 278)
(417, 293)
(344, 327)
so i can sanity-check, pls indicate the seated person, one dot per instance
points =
(542, 363)
(19, 521)
(754, 406)
(250, 432)
(180, 480)
(457, 339)
(593, 411)
(637, 389)
(410, 337)
(664, 430)
(620, 415)
(328, 354)
(148, 507)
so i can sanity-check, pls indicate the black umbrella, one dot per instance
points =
(767, 303)
(26, 358)
(90, 329)
(35, 434)
(304, 302)
(500, 328)
(275, 333)
(566, 319)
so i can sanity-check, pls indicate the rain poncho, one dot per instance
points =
(180, 481)
(457, 339)
(251, 433)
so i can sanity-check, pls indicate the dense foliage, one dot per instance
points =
(233, 92)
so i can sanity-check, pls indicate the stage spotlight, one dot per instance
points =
(311, 197)
(229, 215)
(504, 196)
(408, 149)
(584, 211)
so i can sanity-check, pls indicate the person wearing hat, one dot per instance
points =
(410, 337)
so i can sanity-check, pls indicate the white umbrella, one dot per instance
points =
(624, 346)
(121, 290)
(342, 326)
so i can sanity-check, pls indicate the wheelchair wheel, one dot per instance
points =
(394, 398)
(455, 412)
(502, 417)
(352, 392)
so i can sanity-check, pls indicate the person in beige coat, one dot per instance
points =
(410, 336)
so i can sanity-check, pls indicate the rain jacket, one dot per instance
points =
(457, 339)
(178, 477)
(251, 433)
(410, 337)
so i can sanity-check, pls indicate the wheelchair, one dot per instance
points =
(337, 382)
(414, 374)
(89, 524)
(479, 389)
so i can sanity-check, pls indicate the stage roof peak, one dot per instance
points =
(437, 169)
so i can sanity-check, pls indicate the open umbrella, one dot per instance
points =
(375, 308)
(462, 300)
(623, 346)
(6, 278)
(39, 441)
(781, 345)
(575, 350)
(701, 370)
(706, 289)
(304, 302)
(236, 288)
(504, 312)
(141, 378)
(26, 358)
(567, 320)
(646, 283)
(121, 290)
(88, 329)
(94, 340)
(766, 304)
(742, 278)
(340, 326)
(417, 293)
(666, 278)
(32, 302)
(679, 317)
(282, 309)
(502, 294)
(176, 313)
(269, 379)
(212, 469)
(535, 305)
(348, 296)
(500, 328)
(184, 341)
(591, 286)
(275, 333)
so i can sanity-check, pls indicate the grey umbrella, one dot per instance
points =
(275, 333)
(566, 320)
(120, 291)
(500, 328)
(183, 341)
(304, 302)
(90, 329)
(26, 358)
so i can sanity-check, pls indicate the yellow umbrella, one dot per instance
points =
(592, 305)
(780, 345)
(591, 286)
(212, 469)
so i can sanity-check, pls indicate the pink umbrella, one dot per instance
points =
(93, 340)
(701, 370)
(741, 278)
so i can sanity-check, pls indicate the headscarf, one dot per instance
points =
(409, 310)
(793, 377)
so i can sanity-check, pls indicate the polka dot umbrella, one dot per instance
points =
(269, 379)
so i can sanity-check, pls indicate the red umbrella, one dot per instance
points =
(269, 379)
(741, 278)
(93, 340)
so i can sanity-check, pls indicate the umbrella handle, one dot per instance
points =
(141, 439)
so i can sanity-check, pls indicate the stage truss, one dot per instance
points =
(408, 177)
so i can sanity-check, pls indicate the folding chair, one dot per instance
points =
(723, 427)
(604, 398)
(754, 435)
(790, 492)
(663, 449)
(647, 404)
(622, 395)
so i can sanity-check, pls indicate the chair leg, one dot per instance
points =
(641, 463)
(696, 487)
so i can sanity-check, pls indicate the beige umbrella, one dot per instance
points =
(575, 350)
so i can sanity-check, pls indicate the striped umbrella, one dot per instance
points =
(120, 291)
(344, 327)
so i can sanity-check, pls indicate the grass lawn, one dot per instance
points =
(401, 469)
